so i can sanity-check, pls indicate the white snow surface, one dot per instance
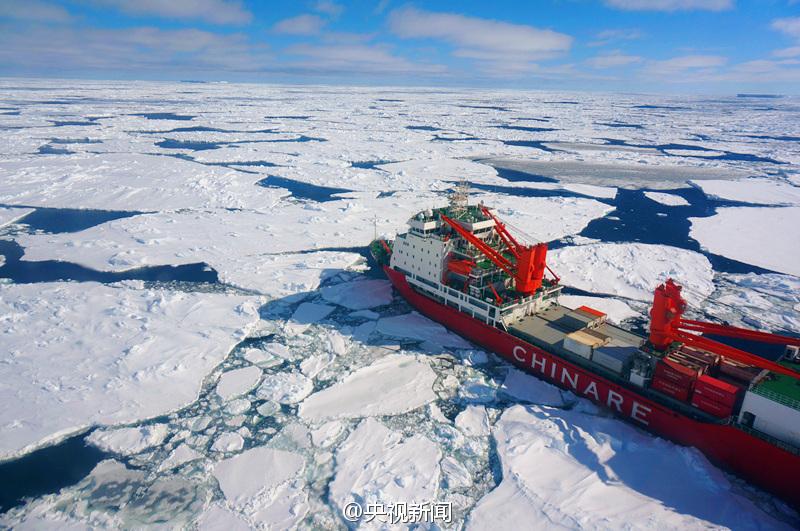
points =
(759, 191)
(667, 199)
(632, 270)
(567, 469)
(764, 236)
(238, 382)
(378, 465)
(615, 309)
(285, 387)
(84, 354)
(529, 389)
(402, 383)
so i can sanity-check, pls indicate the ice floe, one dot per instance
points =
(764, 236)
(238, 382)
(415, 326)
(359, 294)
(668, 199)
(84, 354)
(285, 387)
(759, 191)
(402, 382)
(128, 441)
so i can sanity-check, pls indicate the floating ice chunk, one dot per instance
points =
(267, 409)
(237, 407)
(259, 481)
(375, 465)
(415, 326)
(327, 434)
(179, 456)
(228, 442)
(761, 191)
(148, 354)
(576, 470)
(306, 314)
(392, 385)
(262, 358)
(285, 387)
(473, 357)
(12, 215)
(473, 421)
(668, 199)
(603, 192)
(615, 309)
(366, 314)
(527, 388)
(359, 294)
(633, 270)
(751, 235)
(128, 441)
(238, 382)
(337, 343)
(313, 365)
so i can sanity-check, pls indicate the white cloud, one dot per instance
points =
(477, 37)
(33, 10)
(300, 25)
(328, 7)
(613, 60)
(793, 51)
(213, 11)
(612, 35)
(129, 51)
(686, 64)
(671, 5)
(790, 26)
(353, 58)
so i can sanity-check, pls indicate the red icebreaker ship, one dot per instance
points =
(461, 266)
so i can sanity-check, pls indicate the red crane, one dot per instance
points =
(528, 265)
(668, 326)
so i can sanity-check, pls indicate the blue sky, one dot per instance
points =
(673, 46)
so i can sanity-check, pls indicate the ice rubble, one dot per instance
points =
(378, 465)
(567, 469)
(238, 382)
(668, 199)
(392, 385)
(128, 441)
(769, 301)
(285, 387)
(758, 191)
(764, 236)
(148, 353)
(633, 270)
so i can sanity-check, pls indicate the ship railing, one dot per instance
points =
(776, 397)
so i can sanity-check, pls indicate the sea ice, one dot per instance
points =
(128, 441)
(179, 456)
(238, 382)
(84, 354)
(9, 215)
(377, 465)
(415, 326)
(669, 199)
(402, 382)
(633, 270)
(228, 442)
(359, 294)
(574, 470)
(526, 388)
(473, 421)
(759, 236)
(285, 387)
(305, 315)
(759, 191)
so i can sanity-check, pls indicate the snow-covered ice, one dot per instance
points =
(306, 314)
(238, 382)
(84, 354)
(526, 388)
(759, 191)
(668, 199)
(285, 387)
(394, 384)
(128, 441)
(760, 236)
(415, 326)
(633, 270)
(359, 294)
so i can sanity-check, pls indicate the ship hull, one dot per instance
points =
(756, 460)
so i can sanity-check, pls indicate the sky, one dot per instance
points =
(667, 46)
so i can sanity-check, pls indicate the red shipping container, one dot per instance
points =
(675, 372)
(711, 407)
(716, 390)
(670, 389)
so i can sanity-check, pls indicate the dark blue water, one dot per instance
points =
(11, 113)
(780, 138)
(525, 128)
(289, 117)
(74, 141)
(46, 471)
(538, 144)
(488, 107)
(521, 176)
(422, 128)
(562, 102)
(61, 220)
(370, 164)
(530, 192)
(533, 119)
(439, 138)
(47, 149)
(164, 116)
(662, 107)
(663, 148)
(621, 125)
(194, 145)
(303, 190)
(65, 123)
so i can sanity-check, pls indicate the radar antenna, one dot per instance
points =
(459, 197)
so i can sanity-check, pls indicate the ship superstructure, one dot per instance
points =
(461, 266)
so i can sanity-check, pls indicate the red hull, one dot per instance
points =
(754, 459)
